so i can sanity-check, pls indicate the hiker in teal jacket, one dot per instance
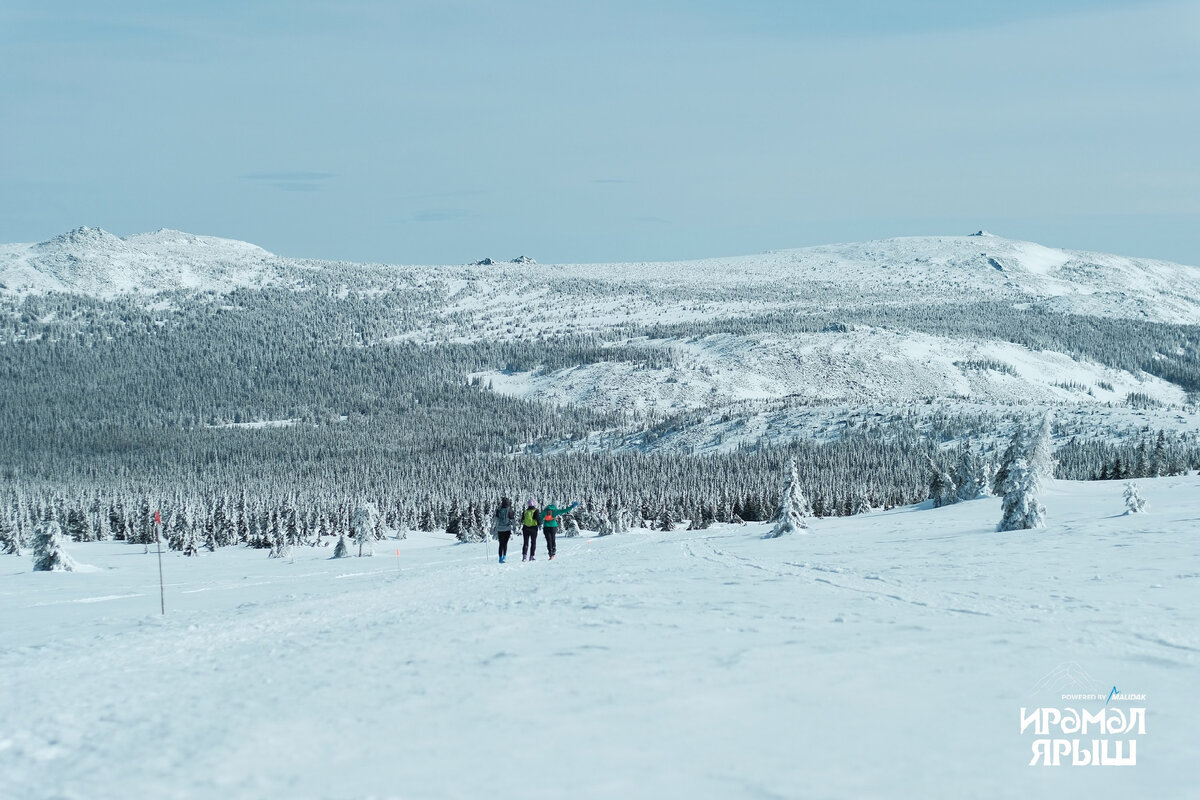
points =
(550, 515)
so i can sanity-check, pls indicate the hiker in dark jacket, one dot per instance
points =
(550, 515)
(502, 525)
(530, 519)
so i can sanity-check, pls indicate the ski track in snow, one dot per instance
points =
(880, 655)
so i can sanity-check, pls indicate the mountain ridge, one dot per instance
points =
(694, 355)
(92, 261)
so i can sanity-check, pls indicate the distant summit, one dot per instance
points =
(82, 237)
(491, 262)
(93, 261)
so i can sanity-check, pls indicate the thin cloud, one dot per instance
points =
(288, 177)
(611, 180)
(296, 186)
(440, 215)
(429, 195)
(291, 181)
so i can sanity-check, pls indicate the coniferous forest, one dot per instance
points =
(268, 415)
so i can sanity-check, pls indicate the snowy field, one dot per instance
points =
(885, 655)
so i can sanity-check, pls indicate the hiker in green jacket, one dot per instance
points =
(550, 515)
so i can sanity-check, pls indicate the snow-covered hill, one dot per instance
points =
(863, 367)
(93, 261)
(880, 655)
(892, 271)
(725, 321)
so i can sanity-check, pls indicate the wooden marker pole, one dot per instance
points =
(162, 595)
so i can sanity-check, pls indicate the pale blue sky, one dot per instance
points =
(442, 131)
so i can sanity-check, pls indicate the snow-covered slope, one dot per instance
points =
(93, 261)
(881, 655)
(863, 366)
(863, 362)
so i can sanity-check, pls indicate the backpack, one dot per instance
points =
(529, 518)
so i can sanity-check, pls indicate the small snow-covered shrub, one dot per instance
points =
(1134, 502)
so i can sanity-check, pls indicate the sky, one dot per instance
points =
(444, 131)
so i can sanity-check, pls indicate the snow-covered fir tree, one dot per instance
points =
(572, 528)
(362, 527)
(180, 527)
(222, 534)
(242, 525)
(190, 544)
(1022, 508)
(1134, 502)
(793, 507)
(282, 549)
(255, 532)
(472, 527)
(942, 490)
(1016, 449)
(342, 549)
(291, 525)
(279, 545)
(454, 520)
(970, 475)
(860, 504)
(102, 524)
(1141, 461)
(9, 543)
(479, 522)
(79, 527)
(48, 552)
(1041, 454)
